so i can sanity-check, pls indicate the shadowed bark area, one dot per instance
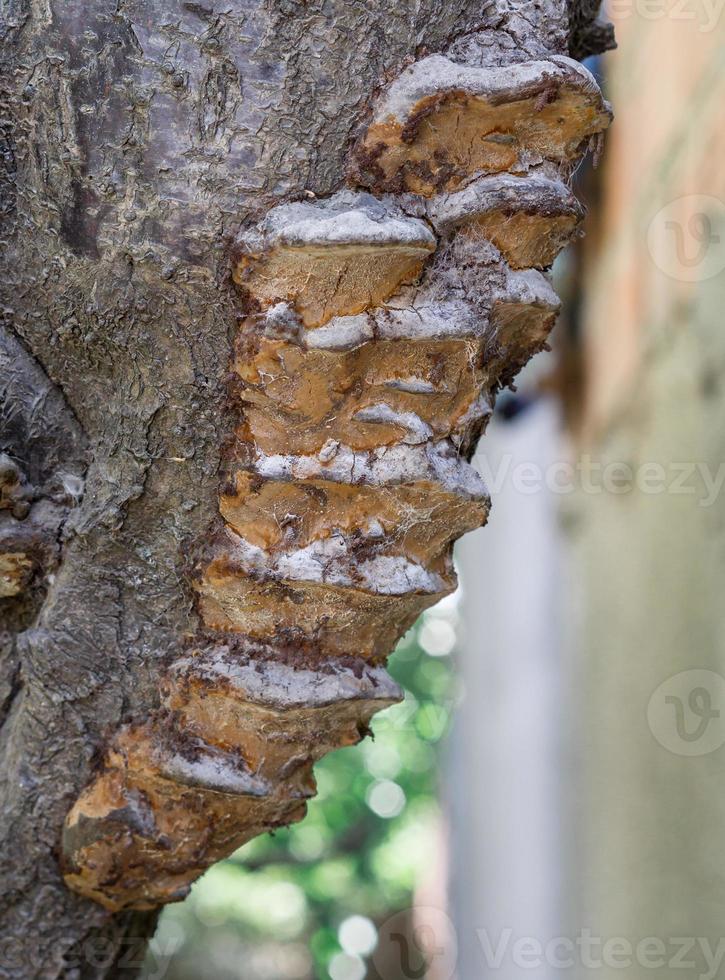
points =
(589, 32)
(145, 141)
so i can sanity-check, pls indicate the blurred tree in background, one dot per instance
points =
(308, 900)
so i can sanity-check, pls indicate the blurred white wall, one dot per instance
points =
(503, 781)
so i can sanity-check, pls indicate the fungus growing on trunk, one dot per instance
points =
(277, 717)
(440, 122)
(163, 808)
(345, 592)
(229, 756)
(529, 218)
(365, 367)
(331, 257)
(418, 520)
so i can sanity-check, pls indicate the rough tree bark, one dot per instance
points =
(222, 504)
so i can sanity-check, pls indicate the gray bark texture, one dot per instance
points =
(140, 138)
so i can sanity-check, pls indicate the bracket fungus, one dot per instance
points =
(339, 255)
(161, 810)
(440, 122)
(529, 218)
(276, 716)
(228, 756)
(374, 337)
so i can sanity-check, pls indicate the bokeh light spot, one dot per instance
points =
(346, 967)
(386, 799)
(358, 935)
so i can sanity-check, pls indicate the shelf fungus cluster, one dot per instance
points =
(228, 756)
(378, 326)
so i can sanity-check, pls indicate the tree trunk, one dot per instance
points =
(149, 150)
